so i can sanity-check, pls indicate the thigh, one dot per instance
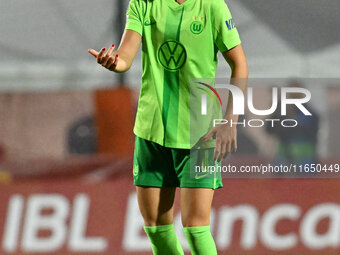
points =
(152, 165)
(197, 169)
(156, 205)
(196, 206)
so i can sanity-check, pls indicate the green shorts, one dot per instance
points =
(158, 166)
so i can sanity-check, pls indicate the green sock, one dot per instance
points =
(164, 240)
(200, 240)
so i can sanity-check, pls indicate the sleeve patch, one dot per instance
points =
(230, 24)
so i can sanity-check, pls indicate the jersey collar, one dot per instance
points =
(174, 4)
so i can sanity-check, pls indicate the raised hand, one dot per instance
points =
(109, 60)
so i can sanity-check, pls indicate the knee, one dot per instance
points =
(154, 220)
(150, 222)
(195, 220)
(150, 219)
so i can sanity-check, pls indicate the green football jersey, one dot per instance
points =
(179, 42)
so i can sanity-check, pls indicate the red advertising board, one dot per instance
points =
(250, 216)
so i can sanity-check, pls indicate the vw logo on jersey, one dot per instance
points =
(196, 27)
(172, 55)
(230, 24)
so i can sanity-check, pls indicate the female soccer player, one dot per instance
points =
(180, 40)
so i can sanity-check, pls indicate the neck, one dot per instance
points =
(180, 1)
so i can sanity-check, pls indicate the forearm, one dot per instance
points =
(127, 50)
(124, 62)
(239, 77)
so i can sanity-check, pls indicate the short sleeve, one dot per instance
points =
(225, 32)
(134, 20)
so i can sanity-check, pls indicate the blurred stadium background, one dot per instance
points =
(66, 140)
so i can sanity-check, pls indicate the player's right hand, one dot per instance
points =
(109, 60)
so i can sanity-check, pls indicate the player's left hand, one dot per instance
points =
(226, 138)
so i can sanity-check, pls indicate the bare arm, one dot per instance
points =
(120, 60)
(226, 136)
(239, 74)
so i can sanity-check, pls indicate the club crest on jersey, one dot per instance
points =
(230, 24)
(196, 27)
